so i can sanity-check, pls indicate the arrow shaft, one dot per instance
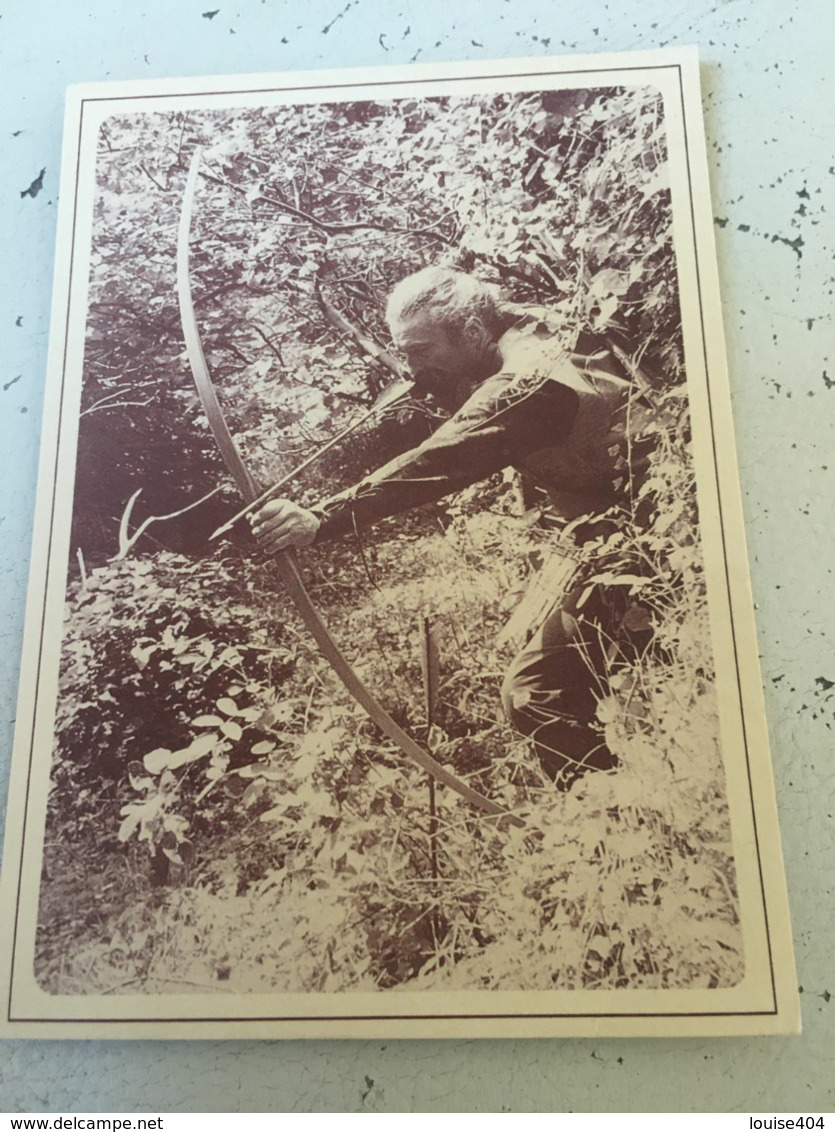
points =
(265, 496)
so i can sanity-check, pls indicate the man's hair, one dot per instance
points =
(462, 303)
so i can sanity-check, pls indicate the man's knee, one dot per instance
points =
(546, 681)
(515, 698)
(526, 678)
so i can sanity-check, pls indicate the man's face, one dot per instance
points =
(441, 364)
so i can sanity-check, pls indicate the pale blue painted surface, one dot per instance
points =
(768, 98)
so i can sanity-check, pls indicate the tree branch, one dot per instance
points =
(340, 322)
(325, 226)
(126, 544)
(275, 349)
(115, 404)
(161, 188)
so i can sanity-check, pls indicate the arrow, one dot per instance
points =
(393, 393)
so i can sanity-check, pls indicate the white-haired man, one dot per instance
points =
(516, 399)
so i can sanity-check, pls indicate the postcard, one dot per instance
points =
(389, 666)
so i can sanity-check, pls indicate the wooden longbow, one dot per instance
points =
(285, 560)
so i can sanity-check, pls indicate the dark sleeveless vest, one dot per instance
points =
(587, 471)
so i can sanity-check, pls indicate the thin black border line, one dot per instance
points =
(404, 1017)
(49, 562)
(725, 552)
(382, 82)
(407, 1017)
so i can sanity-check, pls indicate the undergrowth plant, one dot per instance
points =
(282, 813)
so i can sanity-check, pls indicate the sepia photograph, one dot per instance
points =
(390, 610)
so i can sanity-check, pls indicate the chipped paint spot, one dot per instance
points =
(795, 244)
(339, 15)
(14, 381)
(369, 1085)
(35, 187)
